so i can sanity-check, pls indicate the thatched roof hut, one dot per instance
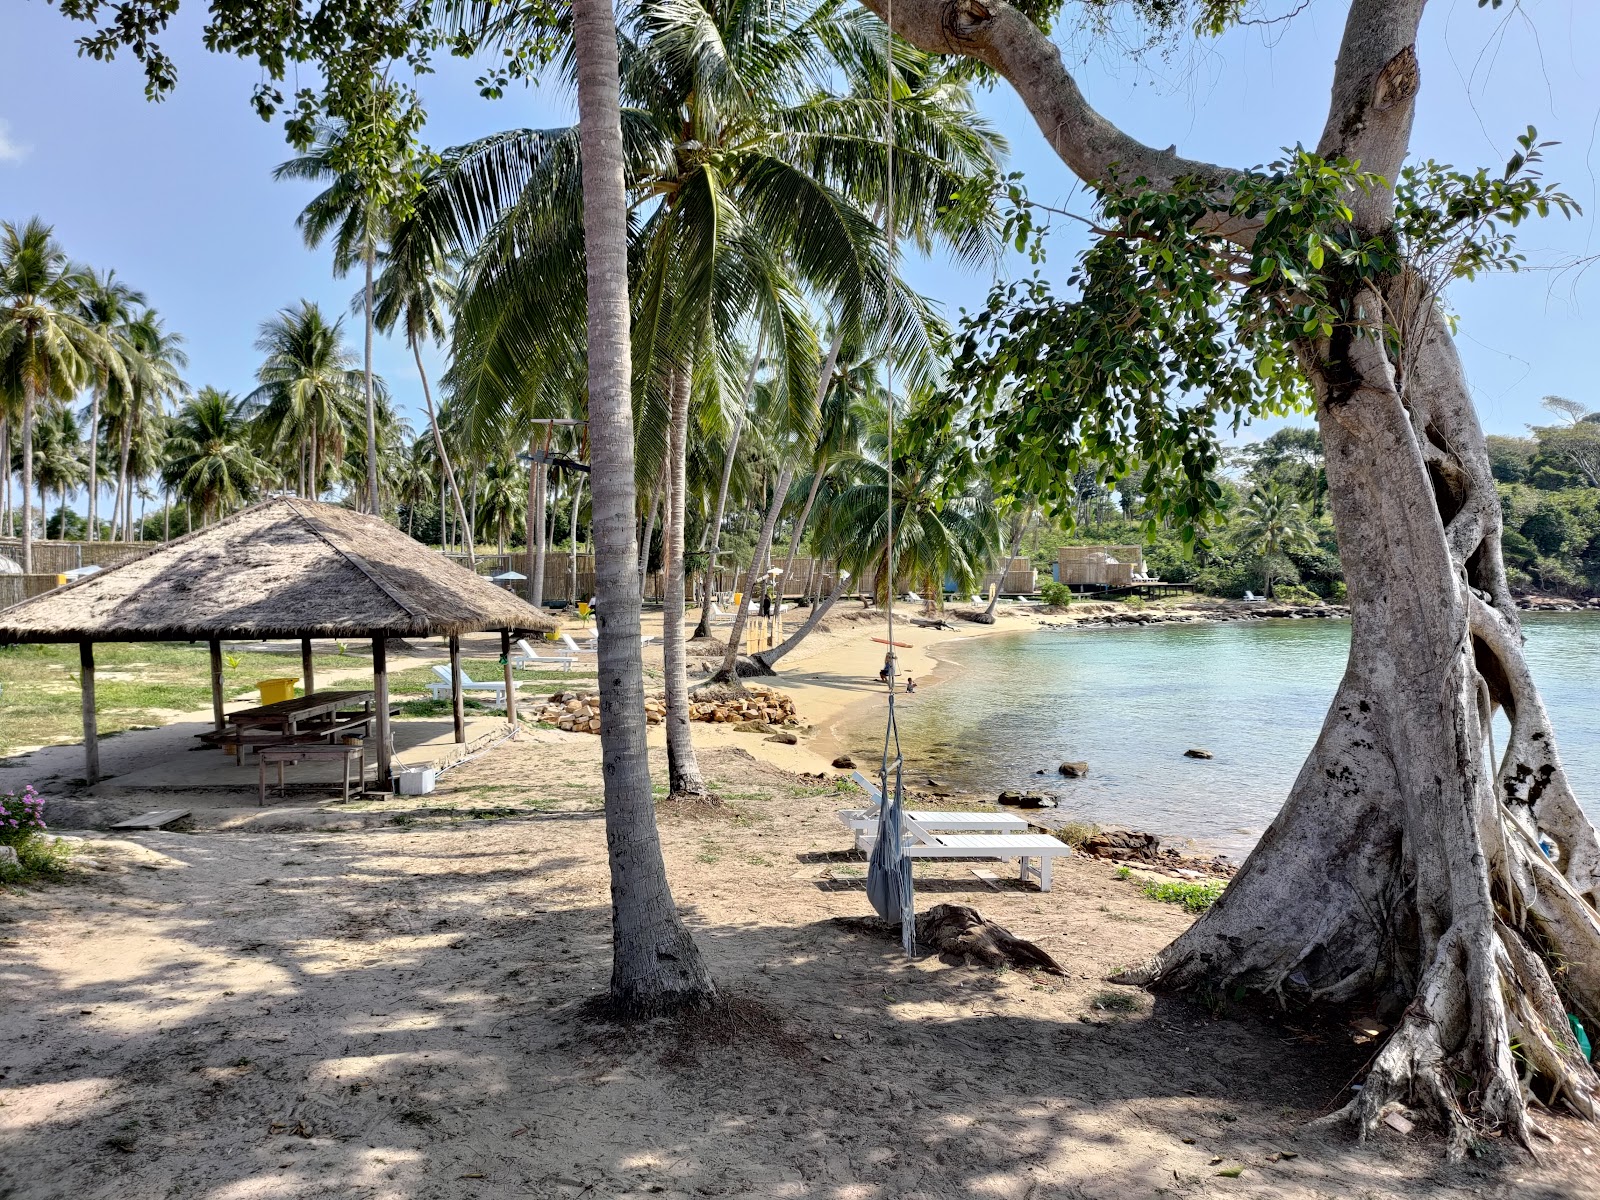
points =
(285, 568)
(282, 568)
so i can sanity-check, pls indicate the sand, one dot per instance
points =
(401, 1010)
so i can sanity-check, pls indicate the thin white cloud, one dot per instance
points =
(11, 150)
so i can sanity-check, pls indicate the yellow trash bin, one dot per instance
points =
(274, 690)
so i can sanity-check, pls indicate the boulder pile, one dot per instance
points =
(759, 710)
(758, 704)
(579, 712)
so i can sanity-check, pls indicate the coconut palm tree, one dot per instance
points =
(47, 350)
(136, 402)
(938, 536)
(355, 208)
(210, 460)
(1271, 524)
(309, 394)
(58, 465)
(416, 291)
(110, 307)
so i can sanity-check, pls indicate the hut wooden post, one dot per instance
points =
(457, 712)
(91, 730)
(305, 666)
(511, 690)
(380, 700)
(216, 685)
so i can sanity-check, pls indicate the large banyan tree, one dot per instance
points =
(1405, 869)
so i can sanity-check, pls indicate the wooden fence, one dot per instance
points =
(54, 558)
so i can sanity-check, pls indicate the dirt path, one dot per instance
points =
(399, 1013)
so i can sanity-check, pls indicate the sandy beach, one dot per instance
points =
(390, 1000)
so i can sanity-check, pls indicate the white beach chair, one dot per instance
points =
(960, 835)
(573, 647)
(527, 656)
(441, 690)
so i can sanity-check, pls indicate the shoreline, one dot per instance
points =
(831, 679)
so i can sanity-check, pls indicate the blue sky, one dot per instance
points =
(178, 196)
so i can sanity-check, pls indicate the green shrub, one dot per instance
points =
(22, 829)
(1057, 594)
(1294, 593)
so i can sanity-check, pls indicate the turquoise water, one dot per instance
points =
(1131, 701)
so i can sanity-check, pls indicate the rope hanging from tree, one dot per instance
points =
(889, 882)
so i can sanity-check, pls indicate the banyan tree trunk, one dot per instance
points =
(1406, 865)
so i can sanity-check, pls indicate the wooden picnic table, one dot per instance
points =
(319, 716)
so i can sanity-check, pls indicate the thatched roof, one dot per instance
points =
(283, 568)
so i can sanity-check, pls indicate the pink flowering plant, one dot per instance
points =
(22, 828)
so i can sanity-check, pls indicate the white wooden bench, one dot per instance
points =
(961, 835)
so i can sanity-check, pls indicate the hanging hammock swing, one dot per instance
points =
(889, 882)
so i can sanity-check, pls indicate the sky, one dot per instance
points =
(178, 196)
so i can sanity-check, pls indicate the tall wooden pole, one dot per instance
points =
(511, 691)
(216, 685)
(456, 710)
(380, 690)
(91, 731)
(305, 666)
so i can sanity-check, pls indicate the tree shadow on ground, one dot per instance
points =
(406, 1015)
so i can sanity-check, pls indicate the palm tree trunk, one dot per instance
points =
(572, 542)
(29, 399)
(124, 483)
(655, 964)
(714, 530)
(728, 671)
(657, 494)
(372, 408)
(769, 658)
(94, 449)
(799, 530)
(1018, 528)
(683, 769)
(438, 446)
(166, 517)
(316, 465)
(538, 484)
(5, 471)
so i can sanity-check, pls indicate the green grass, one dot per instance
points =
(40, 701)
(1118, 1002)
(1195, 897)
(488, 670)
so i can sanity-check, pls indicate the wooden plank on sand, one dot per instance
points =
(153, 820)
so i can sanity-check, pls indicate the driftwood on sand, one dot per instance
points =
(960, 933)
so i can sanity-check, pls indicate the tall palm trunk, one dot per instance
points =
(1019, 526)
(655, 964)
(714, 530)
(729, 669)
(538, 482)
(800, 528)
(94, 450)
(572, 542)
(5, 471)
(372, 408)
(683, 769)
(657, 494)
(29, 400)
(438, 446)
(124, 484)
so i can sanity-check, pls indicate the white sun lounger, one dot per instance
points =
(961, 835)
(573, 647)
(441, 690)
(527, 656)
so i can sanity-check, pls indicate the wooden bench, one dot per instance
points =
(291, 752)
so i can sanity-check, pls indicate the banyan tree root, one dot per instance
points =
(1416, 865)
(959, 932)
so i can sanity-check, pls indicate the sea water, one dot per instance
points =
(1130, 701)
